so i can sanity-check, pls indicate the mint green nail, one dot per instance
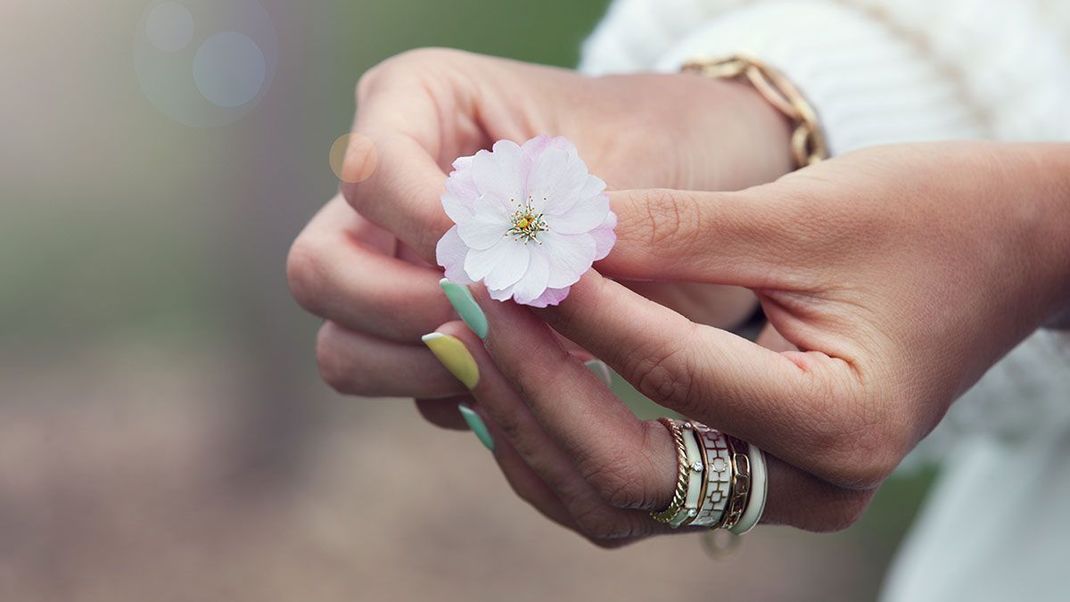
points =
(461, 299)
(601, 370)
(477, 425)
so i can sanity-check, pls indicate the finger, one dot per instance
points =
(356, 364)
(402, 194)
(397, 128)
(770, 338)
(596, 517)
(702, 372)
(560, 396)
(522, 479)
(443, 412)
(727, 307)
(337, 270)
(575, 416)
(749, 238)
(799, 499)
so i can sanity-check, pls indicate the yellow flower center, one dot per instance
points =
(526, 224)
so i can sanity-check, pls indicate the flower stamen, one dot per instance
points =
(526, 225)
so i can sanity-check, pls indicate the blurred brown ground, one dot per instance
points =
(130, 489)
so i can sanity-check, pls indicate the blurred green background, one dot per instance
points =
(163, 432)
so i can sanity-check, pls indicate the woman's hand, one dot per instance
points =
(368, 273)
(896, 276)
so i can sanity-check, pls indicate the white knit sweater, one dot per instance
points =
(912, 70)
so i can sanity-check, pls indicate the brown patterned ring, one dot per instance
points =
(740, 484)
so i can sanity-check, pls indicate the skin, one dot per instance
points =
(894, 277)
(420, 110)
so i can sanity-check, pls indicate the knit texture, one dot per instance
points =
(878, 71)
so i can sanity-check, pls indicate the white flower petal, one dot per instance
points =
(551, 296)
(481, 195)
(480, 262)
(503, 294)
(537, 145)
(482, 230)
(604, 236)
(583, 217)
(511, 267)
(534, 281)
(450, 253)
(570, 256)
(461, 195)
(543, 179)
(457, 208)
(580, 189)
(462, 163)
(568, 189)
(497, 175)
(592, 186)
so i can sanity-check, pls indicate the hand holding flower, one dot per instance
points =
(877, 268)
(370, 273)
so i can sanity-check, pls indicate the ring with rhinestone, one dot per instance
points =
(696, 478)
(717, 457)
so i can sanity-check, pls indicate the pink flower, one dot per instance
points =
(530, 220)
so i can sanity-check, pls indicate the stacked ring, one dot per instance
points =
(718, 476)
(721, 481)
(759, 488)
(682, 474)
(741, 478)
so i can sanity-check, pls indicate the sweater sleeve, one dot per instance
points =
(887, 71)
(877, 71)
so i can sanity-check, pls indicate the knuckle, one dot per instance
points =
(864, 441)
(615, 483)
(428, 55)
(512, 430)
(599, 526)
(663, 373)
(366, 81)
(403, 64)
(333, 368)
(305, 273)
(849, 509)
(671, 216)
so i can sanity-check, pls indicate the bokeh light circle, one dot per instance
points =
(229, 69)
(205, 63)
(169, 26)
(362, 158)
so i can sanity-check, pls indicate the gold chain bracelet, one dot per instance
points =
(808, 143)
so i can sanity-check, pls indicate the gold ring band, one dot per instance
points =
(683, 474)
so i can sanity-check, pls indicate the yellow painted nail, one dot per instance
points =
(454, 356)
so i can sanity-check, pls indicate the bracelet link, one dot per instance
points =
(808, 142)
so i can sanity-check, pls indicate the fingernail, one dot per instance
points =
(461, 299)
(601, 370)
(454, 356)
(477, 425)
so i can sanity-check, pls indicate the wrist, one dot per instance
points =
(745, 141)
(1046, 190)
